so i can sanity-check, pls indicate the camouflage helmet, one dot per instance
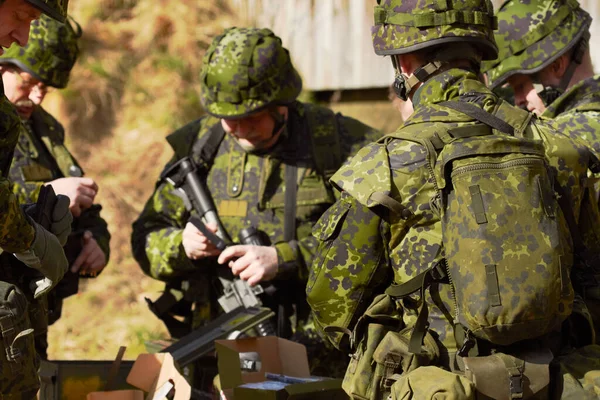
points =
(50, 53)
(531, 35)
(245, 70)
(56, 9)
(405, 26)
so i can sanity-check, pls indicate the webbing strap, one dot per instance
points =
(291, 189)
(385, 16)
(515, 368)
(576, 59)
(206, 150)
(419, 283)
(391, 204)
(480, 115)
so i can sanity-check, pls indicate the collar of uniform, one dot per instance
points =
(449, 85)
(584, 96)
(446, 86)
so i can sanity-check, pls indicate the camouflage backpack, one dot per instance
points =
(506, 242)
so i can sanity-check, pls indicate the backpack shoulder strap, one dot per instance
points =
(182, 137)
(205, 144)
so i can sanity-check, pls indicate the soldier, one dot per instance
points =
(41, 158)
(259, 135)
(29, 241)
(439, 268)
(544, 57)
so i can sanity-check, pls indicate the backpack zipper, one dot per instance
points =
(496, 165)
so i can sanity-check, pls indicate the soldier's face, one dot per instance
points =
(23, 90)
(525, 95)
(254, 132)
(15, 18)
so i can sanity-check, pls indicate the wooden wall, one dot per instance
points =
(330, 40)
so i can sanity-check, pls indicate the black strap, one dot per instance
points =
(419, 283)
(291, 189)
(480, 115)
(206, 150)
(162, 307)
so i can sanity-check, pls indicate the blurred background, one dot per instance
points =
(137, 80)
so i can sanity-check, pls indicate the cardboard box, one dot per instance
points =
(245, 363)
(152, 372)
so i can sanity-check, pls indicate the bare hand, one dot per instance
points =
(81, 192)
(255, 263)
(196, 245)
(91, 260)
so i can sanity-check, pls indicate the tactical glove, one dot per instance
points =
(47, 256)
(61, 219)
(57, 220)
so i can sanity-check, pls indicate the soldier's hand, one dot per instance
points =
(255, 263)
(91, 260)
(196, 245)
(81, 192)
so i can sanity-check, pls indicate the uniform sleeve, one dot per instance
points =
(90, 220)
(16, 232)
(156, 239)
(27, 192)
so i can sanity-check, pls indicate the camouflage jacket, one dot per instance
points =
(413, 243)
(248, 190)
(577, 112)
(16, 232)
(41, 156)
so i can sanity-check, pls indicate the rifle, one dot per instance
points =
(184, 175)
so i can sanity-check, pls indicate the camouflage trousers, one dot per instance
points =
(18, 359)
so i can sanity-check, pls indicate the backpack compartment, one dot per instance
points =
(504, 238)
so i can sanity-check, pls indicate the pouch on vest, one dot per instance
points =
(432, 383)
(364, 378)
(17, 345)
(506, 242)
(506, 377)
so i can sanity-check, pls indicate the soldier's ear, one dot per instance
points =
(560, 65)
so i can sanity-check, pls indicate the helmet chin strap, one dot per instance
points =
(404, 84)
(279, 120)
(549, 94)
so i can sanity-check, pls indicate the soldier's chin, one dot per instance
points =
(252, 147)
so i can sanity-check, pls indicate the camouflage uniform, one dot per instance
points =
(248, 187)
(41, 156)
(18, 376)
(386, 227)
(530, 37)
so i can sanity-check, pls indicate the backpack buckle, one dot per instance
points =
(438, 273)
(516, 386)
